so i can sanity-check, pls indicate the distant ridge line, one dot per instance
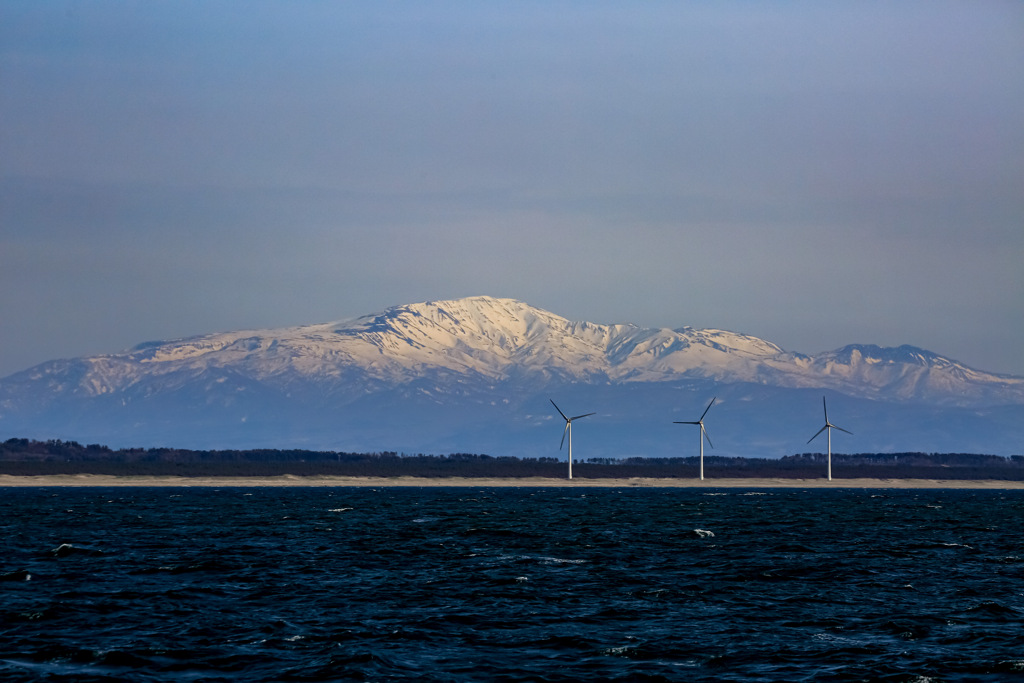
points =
(474, 375)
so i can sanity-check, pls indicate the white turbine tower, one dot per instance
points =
(829, 426)
(567, 430)
(703, 435)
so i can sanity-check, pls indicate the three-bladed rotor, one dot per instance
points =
(828, 425)
(827, 428)
(568, 421)
(567, 431)
(703, 431)
(703, 434)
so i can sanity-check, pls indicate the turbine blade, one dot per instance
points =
(559, 410)
(816, 434)
(686, 423)
(579, 416)
(825, 406)
(708, 408)
(705, 433)
(564, 432)
(842, 430)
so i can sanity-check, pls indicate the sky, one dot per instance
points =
(812, 173)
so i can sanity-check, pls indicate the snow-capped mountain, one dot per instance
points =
(452, 365)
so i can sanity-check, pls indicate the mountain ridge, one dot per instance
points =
(497, 338)
(478, 354)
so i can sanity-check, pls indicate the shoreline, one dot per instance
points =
(99, 480)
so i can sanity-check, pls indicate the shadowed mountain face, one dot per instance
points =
(475, 375)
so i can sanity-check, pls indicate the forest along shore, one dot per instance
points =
(55, 458)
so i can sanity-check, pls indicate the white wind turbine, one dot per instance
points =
(703, 435)
(567, 430)
(829, 426)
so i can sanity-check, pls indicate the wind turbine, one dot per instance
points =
(567, 430)
(703, 435)
(829, 426)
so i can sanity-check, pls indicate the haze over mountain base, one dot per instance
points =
(476, 375)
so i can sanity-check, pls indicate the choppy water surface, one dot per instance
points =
(533, 584)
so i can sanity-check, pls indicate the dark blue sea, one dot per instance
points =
(472, 584)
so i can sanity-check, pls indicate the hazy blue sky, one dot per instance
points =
(814, 173)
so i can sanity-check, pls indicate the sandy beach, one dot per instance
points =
(378, 482)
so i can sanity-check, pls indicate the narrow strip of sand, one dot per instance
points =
(482, 482)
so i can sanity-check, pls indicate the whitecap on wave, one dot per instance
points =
(559, 560)
(65, 549)
(543, 559)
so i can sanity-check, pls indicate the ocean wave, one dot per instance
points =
(517, 585)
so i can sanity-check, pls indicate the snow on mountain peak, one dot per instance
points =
(499, 339)
(468, 375)
(494, 336)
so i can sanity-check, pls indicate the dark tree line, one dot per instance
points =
(29, 457)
